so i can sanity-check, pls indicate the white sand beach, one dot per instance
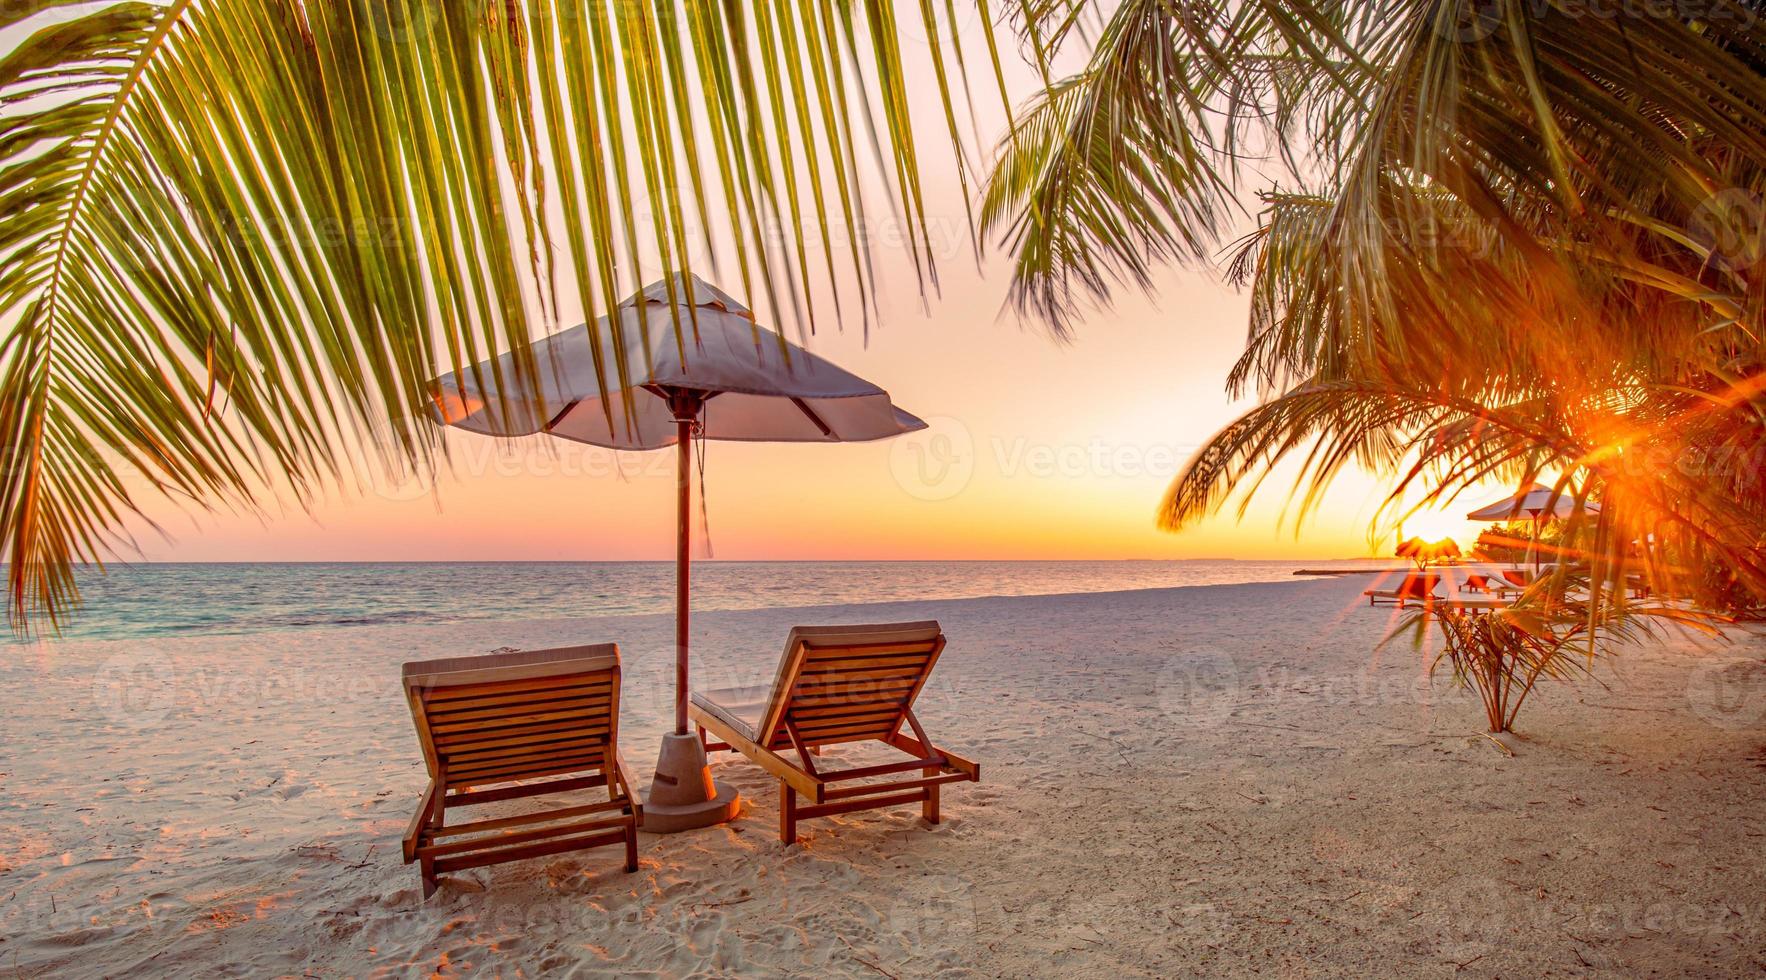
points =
(1192, 782)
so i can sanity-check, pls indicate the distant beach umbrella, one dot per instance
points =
(1423, 552)
(726, 377)
(1536, 504)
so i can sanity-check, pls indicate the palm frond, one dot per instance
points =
(1516, 241)
(239, 238)
(1104, 174)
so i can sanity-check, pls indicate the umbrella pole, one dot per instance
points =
(683, 567)
(683, 795)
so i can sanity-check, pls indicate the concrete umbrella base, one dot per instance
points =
(683, 795)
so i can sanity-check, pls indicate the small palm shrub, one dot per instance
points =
(1552, 632)
(1503, 660)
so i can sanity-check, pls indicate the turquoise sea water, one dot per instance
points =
(187, 599)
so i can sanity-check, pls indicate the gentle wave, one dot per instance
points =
(185, 599)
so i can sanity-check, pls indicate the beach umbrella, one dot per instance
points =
(1423, 552)
(724, 377)
(1536, 503)
(1411, 548)
(1445, 549)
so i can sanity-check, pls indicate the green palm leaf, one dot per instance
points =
(1515, 240)
(239, 238)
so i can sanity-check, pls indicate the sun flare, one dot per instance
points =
(1435, 525)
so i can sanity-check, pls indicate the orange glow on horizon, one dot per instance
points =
(1039, 450)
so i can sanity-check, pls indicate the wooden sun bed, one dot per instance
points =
(1416, 587)
(490, 727)
(839, 684)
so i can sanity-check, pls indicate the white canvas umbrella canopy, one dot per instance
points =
(751, 385)
(1537, 504)
(725, 377)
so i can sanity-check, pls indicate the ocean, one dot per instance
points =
(168, 599)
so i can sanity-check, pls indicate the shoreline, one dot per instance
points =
(1209, 779)
(54, 642)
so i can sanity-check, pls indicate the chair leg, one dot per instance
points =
(929, 807)
(787, 814)
(428, 869)
(631, 847)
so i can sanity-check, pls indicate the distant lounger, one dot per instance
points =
(1415, 588)
(490, 726)
(839, 684)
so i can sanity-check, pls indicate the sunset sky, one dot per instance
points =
(1037, 449)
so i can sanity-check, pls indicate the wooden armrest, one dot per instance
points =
(628, 784)
(792, 774)
(425, 810)
(913, 746)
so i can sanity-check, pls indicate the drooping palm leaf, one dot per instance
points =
(239, 238)
(1516, 240)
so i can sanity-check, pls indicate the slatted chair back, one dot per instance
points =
(516, 716)
(848, 683)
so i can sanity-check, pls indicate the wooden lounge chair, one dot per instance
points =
(490, 727)
(1477, 583)
(838, 684)
(1416, 587)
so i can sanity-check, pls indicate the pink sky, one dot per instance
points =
(1037, 450)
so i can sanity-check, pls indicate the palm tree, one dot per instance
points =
(237, 238)
(1518, 238)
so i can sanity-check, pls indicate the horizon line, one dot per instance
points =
(124, 563)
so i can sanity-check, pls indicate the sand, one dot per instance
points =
(1189, 782)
